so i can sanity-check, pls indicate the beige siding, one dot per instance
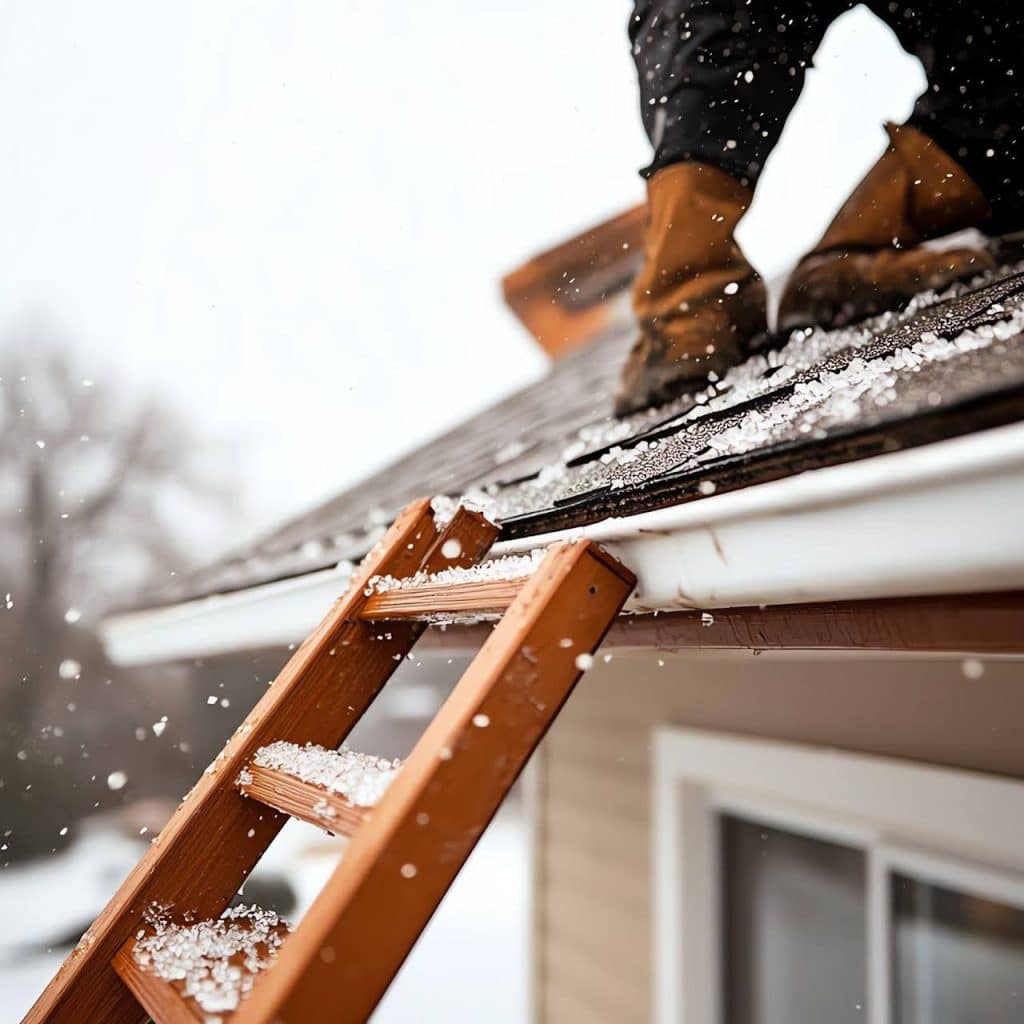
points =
(593, 907)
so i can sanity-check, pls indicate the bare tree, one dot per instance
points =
(94, 485)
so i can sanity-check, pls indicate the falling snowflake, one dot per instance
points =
(69, 669)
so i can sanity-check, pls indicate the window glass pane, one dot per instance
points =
(794, 927)
(957, 957)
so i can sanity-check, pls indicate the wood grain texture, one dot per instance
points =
(216, 836)
(161, 1000)
(303, 800)
(955, 623)
(437, 599)
(958, 623)
(399, 865)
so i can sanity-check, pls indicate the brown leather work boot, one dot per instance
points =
(697, 299)
(871, 258)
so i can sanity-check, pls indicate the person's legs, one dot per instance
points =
(973, 108)
(718, 78)
(954, 165)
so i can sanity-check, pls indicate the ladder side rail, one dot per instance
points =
(355, 936)
(216, 836)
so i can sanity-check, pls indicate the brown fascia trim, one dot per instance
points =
(563, 296)
(952, 624)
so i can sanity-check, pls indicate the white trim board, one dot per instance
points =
(943, 518)
(963, 830)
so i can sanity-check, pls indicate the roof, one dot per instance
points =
(552, 457)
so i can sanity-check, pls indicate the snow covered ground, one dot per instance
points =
(469, 965)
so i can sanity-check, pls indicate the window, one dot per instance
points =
(956, 956)
(792, 907)
(798, 884)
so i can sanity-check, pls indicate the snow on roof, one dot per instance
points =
(818, 382)
(216, 962)
(552, 456)
(361, 778)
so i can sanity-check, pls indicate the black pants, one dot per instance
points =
(718, 78)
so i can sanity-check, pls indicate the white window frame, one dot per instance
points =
(961, 829)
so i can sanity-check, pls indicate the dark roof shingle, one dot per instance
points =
(551, 456)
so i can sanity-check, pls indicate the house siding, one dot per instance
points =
(592, 852)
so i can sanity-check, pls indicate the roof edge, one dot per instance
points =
(932, 520)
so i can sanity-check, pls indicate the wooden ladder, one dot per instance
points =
(405, 852)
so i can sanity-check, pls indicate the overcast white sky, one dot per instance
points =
(292, 218)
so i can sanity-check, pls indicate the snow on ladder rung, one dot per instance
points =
(203, 970)
(332, 789)
(484, 589)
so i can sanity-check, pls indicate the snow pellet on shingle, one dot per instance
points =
(820, 381)
(359, 778)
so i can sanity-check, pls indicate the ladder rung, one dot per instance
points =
(334, 790)
(161, 999)
(442, 601)
(453, 593)
(302, 800)
(202, 972)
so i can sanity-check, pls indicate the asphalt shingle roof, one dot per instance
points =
(552, 456)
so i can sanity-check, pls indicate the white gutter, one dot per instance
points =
(944, 518)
